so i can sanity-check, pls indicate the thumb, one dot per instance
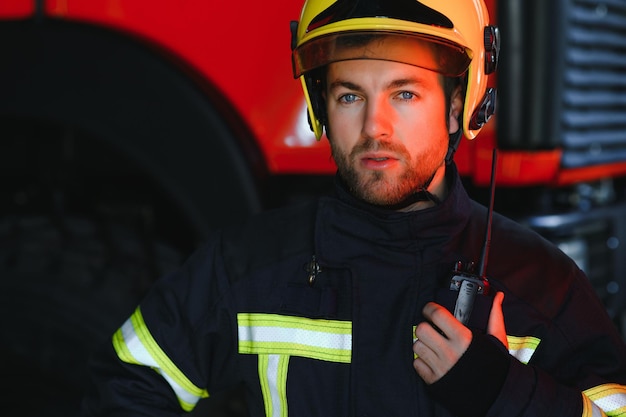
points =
(495, 326)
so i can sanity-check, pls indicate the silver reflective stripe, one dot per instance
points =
(273, 374)
(607, 399)
(327, 340)
(135, 345)
(275, 338)
(523, 348)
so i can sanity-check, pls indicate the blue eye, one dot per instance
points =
(348, 98)
(407, 95)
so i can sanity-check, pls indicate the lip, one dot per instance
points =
(378, 160)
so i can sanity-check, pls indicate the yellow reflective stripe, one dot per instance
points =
(587, 407)
(134, 344)
(281, 384)
(273, 377)
(590, 409)
(272, 334)
(266, 390)
(610, 398)
(120, 347)
(522, 347)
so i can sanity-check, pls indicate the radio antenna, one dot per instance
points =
(485, 254)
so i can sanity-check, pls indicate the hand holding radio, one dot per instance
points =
(442, 339)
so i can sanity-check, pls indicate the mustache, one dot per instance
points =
(369, 145)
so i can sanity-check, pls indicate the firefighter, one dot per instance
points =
(378, 300)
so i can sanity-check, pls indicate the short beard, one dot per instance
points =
(377, 187)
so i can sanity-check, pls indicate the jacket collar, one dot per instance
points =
(344, 220)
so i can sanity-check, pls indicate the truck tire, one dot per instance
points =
(66, 284)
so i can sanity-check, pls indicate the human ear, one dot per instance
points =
(456, 107)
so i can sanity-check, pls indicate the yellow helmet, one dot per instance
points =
(457, 31)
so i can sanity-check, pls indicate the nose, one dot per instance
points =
(377, 123)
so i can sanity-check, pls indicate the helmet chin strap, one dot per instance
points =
(453, 144)
(422, 194)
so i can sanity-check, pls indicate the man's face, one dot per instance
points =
(387, 127)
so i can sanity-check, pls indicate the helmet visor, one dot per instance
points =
(405, 47)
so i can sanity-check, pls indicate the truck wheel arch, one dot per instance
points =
(175, 127)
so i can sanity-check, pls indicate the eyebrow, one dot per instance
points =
(401, 82)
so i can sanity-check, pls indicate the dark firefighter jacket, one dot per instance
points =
(313, 307)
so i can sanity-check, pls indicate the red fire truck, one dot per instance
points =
(131, 129)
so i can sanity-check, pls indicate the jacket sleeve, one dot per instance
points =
(569, 365)
(574, 362)
(167, 355)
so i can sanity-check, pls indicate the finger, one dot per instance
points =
(425, 360)
(434, 353)
(496, 325)
(426, 332)
(424, 371)
(445, 321)
(427, 341)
